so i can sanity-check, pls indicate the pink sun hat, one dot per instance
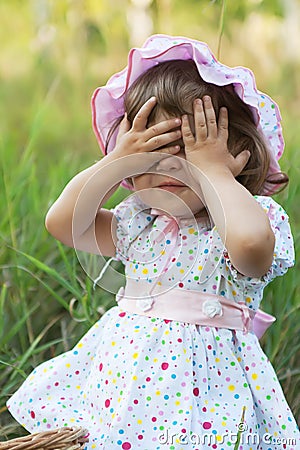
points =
(107, 101)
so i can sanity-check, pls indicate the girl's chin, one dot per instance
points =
(168, 202)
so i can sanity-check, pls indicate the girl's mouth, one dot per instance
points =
(170, 185)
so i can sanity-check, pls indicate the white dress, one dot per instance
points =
(146, 383)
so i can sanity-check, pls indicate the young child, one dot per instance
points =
(177, 364)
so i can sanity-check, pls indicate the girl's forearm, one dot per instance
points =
(77, 206)
(241, 222)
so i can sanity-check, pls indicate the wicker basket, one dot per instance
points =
(60, 439)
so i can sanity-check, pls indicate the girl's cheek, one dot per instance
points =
(141, 181)
(181, 153)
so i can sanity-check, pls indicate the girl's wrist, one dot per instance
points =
(213, 172)
(125, 166)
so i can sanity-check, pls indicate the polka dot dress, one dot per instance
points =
(146, 383)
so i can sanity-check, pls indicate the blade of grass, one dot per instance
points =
(221, 27)
(51, 273)
(66, 260)
(2, 302)
(34, 344)
(241, 428)
(16, 328)
(49, 289)
(16, 369)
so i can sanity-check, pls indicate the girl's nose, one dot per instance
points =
(169, 164)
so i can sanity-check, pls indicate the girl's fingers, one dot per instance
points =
(163, 139)
(161, 128)
(124, 127)
(223, 123)
(140, 121)
(211, 122)
(170, 150)
(240, 162)
(187, 135)
(200, 120)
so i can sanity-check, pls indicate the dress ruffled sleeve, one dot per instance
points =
(284, 254)
(132, 218)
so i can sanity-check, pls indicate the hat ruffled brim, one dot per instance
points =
(108, 106)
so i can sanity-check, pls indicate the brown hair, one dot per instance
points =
(176, 84)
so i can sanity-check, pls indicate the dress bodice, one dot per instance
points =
(189, 254)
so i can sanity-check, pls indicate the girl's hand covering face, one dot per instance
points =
(207, 147)
(140, 139)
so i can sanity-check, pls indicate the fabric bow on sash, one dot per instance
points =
(171, 225)
(246, 317)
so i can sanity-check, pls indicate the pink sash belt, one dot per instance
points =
(197, 308)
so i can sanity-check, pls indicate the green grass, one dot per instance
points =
(39, 276)
(46, 139)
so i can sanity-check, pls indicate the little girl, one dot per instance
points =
(177, 364)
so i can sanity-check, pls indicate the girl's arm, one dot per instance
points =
(77, 218)
(241, 222)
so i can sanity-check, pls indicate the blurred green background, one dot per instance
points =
(54, 53)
